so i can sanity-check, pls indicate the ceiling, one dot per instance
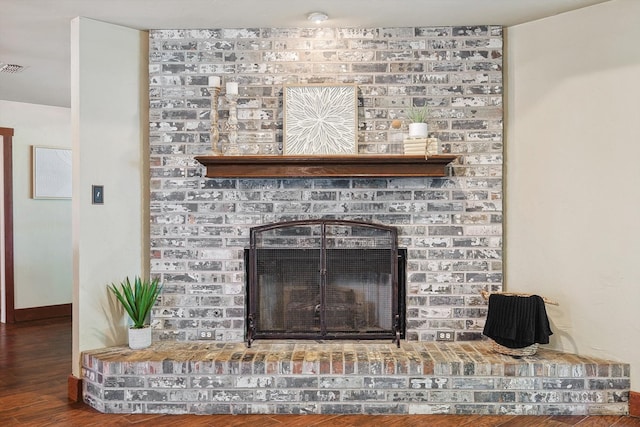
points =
(35, 33)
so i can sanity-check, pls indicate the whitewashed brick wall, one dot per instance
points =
(451, 226)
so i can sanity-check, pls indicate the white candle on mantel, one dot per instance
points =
(232, 88)
(214, 81)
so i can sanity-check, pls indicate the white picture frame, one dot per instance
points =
(320, 119)
(51, 172)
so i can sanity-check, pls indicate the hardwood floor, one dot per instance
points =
(35, 361)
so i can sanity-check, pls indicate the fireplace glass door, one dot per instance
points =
(324, 279)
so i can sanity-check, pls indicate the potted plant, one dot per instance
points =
(137, 299)
(418, 116)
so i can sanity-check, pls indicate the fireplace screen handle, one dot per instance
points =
(250, 330)
(396, 328)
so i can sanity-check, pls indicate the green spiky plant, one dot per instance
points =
(137, 299)
(418, 114)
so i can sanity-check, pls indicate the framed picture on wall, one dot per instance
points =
(51, 173)
(320, 119)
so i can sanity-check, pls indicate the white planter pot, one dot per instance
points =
(139, 338)
(418, 130)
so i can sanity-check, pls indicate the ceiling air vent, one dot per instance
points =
(11, 68)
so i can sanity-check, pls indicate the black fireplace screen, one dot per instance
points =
(325, 279)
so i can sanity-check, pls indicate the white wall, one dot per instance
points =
(42, 227)
(109, 116)
(572, 229)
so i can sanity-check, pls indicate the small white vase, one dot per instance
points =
(139, 338)
(418, 130)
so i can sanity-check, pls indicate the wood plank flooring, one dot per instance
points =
(35, 361)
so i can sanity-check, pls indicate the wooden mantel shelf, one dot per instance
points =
(366, 166)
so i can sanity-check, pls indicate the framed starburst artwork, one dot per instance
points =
(320, 119)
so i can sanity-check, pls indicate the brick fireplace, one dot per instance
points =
(451, 227)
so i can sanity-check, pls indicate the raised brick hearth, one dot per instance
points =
(350, 378)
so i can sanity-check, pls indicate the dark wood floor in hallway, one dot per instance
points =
(35, 361)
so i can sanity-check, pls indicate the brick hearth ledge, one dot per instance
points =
(350, 377)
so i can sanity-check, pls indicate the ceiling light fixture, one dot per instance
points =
(317, 17)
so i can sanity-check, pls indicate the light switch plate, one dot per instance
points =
(97, 194)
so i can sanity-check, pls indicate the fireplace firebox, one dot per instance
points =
(325, 279)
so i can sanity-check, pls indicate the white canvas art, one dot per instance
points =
(320, 120)
(51, 173)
